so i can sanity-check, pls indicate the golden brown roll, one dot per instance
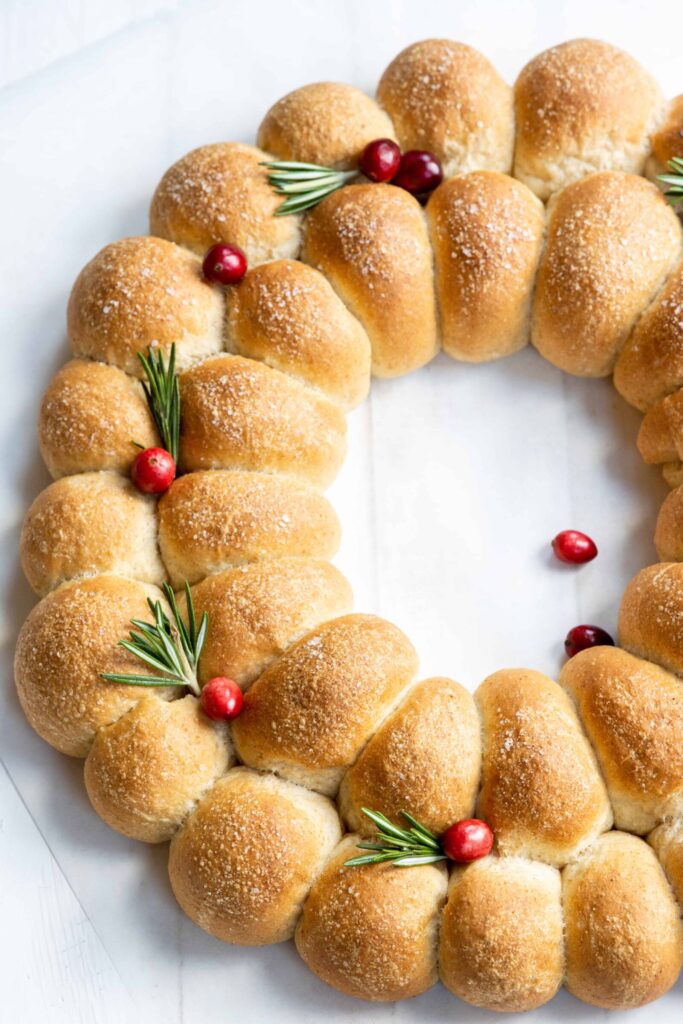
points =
(667, 841)
(651, 615)
(424, 759)
(487, 231)
(673, 473)
(243, 862)
(257, 611)
(660, 438)
(88, 524)
(241, 414)
(371, 243)
(624, 942)
(89, 417)
(541, 790)
(372, 931)
(326, 123)
(669, 529)
(286, 314)
(143, 292)
(68, 639)
(650, 365)
(219, 519)
(220, 193)
(501, 944)
(582, 106)
(666, 141)
(612, 238)
(447, 98)
(310, 713)
(632, 712)
(145, 772)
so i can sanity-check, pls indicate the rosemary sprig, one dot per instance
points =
(404, 847)
(303, 184)
(674, 180)
(167, 645)
(163, 396)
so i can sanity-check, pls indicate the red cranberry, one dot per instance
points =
(582, 637)
(224, 264)
(380, 160)
(153, 470)
(419, 172)
(575, 547)
(221, 698)
(467, 840)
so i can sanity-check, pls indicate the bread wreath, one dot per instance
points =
(569, 775)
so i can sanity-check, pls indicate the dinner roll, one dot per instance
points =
(486, 231)
(541, 790)
(666, 141)
(660, 438)
(582, 106)
(447, 98)
(220, 193)
(68, 639)
(624, 942)
(219, 519)
(424, 759)
(326, 123)
(669, 529)
(257, 611)
(651, 615)
(673, 473)
(89, 417)
(650, 365)
(145, 772)
(612, 238)
(371, 243)
(667, 841)
(243, 862)
(140, 293)
(501, 942)
(310, 713)
(87, 524)
(372, 931)
(241, 414)
(632, 712)
(286, 314)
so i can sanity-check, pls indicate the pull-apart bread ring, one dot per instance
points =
(447, 98)
(582, 106)
(371, 281)
(140, 293)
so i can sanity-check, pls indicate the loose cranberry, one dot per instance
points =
(582, 637)
(221, 698)
(380, 160)
(467, 840)
(224, 264)
(575, 547)
(419, 172)
(153, 470)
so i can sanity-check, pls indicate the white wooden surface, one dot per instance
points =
(457, 476)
